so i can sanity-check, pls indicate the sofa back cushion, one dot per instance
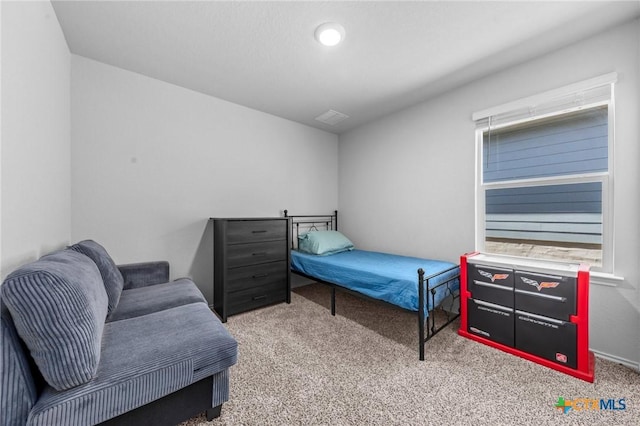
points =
(113, 281)
(58, 305)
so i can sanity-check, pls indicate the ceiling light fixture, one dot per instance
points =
(330, 33)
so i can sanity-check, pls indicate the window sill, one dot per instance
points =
(549, 267)
(607, 280)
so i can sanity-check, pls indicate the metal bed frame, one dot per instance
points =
(425, 331)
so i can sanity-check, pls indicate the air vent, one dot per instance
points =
(332, 117)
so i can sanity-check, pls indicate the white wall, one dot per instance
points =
(407, 181)
(151, 162)
(35, 163)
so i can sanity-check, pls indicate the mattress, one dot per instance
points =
(389, 277)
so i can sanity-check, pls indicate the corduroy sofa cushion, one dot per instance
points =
(58, 305)
(143, 359)
(136, 302)
(111, 276)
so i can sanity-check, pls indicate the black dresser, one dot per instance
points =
(250, 264)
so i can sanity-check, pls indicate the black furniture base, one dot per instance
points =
(173, 408)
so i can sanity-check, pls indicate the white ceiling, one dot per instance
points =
(263, 54)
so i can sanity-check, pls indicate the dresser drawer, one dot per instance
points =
(255, 297)
(257, 275)
(491, 293)
(255, 253)
(490, 284)
(547, 295)
(490, 321)
(243, 231)
(492, 275)
(546, 337)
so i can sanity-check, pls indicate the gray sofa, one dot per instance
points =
(84, 342)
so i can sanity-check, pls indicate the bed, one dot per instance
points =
(410, 283)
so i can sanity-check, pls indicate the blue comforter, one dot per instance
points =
(382, 276)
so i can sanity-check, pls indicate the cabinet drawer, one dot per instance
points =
(490, 284)
(490, 321)
(255, 297)
(494, 293)
(257, 275)
(255, 253)
(547, 295)
(242, 231)
(491, 275)
(548, 338)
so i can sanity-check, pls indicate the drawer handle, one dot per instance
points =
(541, 318)
(496, 286)
(262, 253)
(259, 231)
(492, 305)
(260, 275)
(260, 297)
(543, 296)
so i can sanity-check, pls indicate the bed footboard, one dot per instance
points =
(427, 299)
(428, 325)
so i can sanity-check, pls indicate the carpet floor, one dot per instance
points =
(298, 365)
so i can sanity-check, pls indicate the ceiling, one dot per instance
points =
(263, 54)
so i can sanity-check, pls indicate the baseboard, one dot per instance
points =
(627, 363)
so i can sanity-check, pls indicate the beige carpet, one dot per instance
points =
(298, 365)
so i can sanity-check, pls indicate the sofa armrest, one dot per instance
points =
(144, 274)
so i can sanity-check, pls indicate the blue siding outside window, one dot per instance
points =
(567, 213)
(570, 144)
(565, 198)
(567, 145)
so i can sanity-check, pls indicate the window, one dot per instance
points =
(544, 176)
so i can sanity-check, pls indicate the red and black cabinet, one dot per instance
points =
(536, 312)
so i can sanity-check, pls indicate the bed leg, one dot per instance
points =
(421, 343)
(421, 313)
(333, 301)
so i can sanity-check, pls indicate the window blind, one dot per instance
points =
(583, 94)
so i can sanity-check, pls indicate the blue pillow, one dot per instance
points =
(111, 275)
(324, 242)
(59, 305)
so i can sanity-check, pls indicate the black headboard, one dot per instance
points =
(305, 223)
